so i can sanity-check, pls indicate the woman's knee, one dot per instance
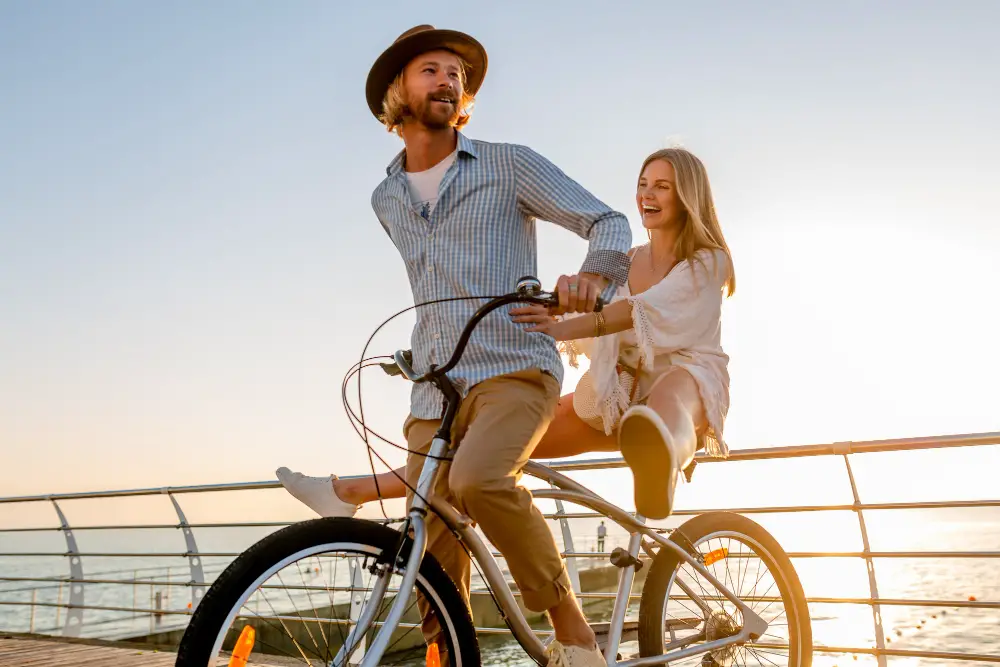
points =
(675, 397)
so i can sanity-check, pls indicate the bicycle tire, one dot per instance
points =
(652, 604)
(204, 630)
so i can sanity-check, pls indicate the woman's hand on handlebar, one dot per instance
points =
(538, 317)
(578, 293)
(541, 320)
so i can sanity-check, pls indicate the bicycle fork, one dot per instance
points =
(418, 547)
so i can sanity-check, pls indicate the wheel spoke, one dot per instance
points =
(333, 605)
(265, 620)
(305, 624)
(405, 634)
(729, 580)
(748, 581)
(773, 584)
(319, 626)
(285, 628)
(757, 649)
(758, 656)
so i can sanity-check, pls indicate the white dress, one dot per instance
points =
(676, 324)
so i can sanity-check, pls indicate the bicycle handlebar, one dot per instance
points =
(528, 290)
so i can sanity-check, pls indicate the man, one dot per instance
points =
(602, 532)
(462, 215)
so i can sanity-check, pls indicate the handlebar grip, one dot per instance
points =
(391, 369)
(530, 285)
(598, 307)
(402, 364)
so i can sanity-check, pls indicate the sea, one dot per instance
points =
(946, 628)
(951, 629)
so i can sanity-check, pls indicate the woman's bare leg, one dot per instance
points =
(676, 399)
(367, 489)
(659, 439)
(567, 435)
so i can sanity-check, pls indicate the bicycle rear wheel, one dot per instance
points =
(303, 589)
(750, 563)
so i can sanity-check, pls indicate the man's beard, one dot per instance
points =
(432, 114)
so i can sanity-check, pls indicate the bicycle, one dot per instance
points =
(677, 619)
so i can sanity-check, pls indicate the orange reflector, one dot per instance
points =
(716, 556)
(433, 656)
(244, 645)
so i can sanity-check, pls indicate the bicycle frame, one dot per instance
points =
(571, 491)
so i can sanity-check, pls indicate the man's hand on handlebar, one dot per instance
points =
(578, 293)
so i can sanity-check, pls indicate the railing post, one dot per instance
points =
(59, 603)
(74, 615)
(357, 601)
(567, 535)
(31, 621)
(150, 607)
(194, 560)
(870, 565)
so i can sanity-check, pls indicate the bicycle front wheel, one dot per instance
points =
(300, 594)
(748, 561)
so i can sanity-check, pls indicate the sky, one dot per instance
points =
(189, 263)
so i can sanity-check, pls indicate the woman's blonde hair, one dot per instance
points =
(394, 108)
(701, 226)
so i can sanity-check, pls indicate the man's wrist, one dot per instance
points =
(602, 281)
(610, 264)
(606, 286)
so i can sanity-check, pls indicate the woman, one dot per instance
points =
(658, 374)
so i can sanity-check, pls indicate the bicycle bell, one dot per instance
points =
(529, 285)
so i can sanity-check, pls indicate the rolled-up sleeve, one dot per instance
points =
(545, 192)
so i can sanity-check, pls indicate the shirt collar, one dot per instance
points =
(465, 145)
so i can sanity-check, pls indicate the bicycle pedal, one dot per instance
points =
(622, 558)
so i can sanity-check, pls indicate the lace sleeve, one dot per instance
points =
(570, 350)
(574, 349)
(643, 332)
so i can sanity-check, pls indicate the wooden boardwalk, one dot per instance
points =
(24, 652)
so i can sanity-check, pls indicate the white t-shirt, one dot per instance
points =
(424, 185)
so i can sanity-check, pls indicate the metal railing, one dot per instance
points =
(75, 606)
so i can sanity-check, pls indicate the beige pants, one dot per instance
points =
(497, 427)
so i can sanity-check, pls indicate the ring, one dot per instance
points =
(572, 287)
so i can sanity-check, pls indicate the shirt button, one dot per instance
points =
(437, 336)
(430, 269)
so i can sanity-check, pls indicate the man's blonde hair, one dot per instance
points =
(394, 109)
(701, 227)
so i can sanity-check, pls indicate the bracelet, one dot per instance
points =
(599, 325)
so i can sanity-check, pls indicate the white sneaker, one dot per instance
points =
(573, 656)
(316, 493)
(655, 459)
